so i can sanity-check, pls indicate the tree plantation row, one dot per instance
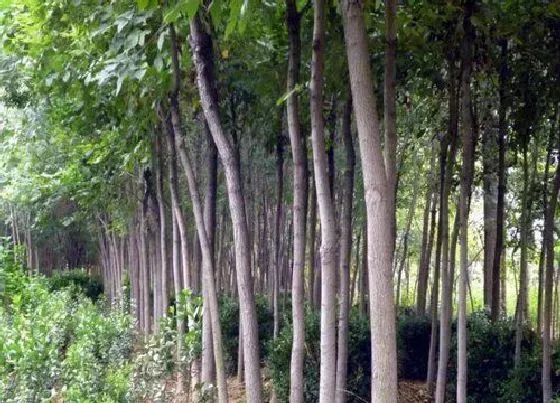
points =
(373, 174)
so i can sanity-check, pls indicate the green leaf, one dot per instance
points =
(300, 4)
(192, 8)
(235, 12)
(142, 4)
(172, 15)
(216, 12)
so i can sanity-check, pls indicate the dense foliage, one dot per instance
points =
(60, 344)
(491, 347)
(60, 339)
(79, 280)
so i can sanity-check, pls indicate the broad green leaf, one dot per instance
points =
(142, 4)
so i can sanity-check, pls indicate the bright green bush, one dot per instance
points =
(55, 344)
(59, 345)
(13, 281)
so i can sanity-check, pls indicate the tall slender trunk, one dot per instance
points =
(523, 240)
(410, 217)
(208, 284)
(545, 202)
(176, 246)
(548, 284)
(162, 275)
(502, 128)
(326, 212)
(490, 184)
(355, 277)
(299, 157)
(278, 217)
(345, 253)
(208, 368)
(315, 269)
(390, 109)
(202, 50)
(208, 275)
(363, 302)
(428, 223)
(448, 163)
(468, 139)
(177, 212)
(379, 217)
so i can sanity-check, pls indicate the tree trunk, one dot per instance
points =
(355, 277)
(201, 44)
(410, 217)
(447, 167)
(490, 184)
(544, 201)
(523, 241)
(176, 248)
(163, 301)
(208, 367)
(502, 128)
(548, 284)
(314, 271)
(345, 253)
(468, 139)
(299, 158)
(390, 109)
(207, 263)
(363, 302)
(209, 291)
(428, 223)
(278, 217)
(326, 212)
(379, 217)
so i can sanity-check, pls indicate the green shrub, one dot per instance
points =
(492, 376)
(56, 343)
(359, 349)
(413, 344)
(156, 362)
(79, 281)
(13, 281)
(229, 316)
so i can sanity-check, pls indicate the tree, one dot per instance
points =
(299, 155)
(201, 45)
(468, 140)
(326, 211)
(376, 189)
(345, 254)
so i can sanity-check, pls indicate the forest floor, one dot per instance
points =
(409, 391)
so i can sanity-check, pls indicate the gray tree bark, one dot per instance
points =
(201, 44)
(378, 199)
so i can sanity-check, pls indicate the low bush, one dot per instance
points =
(79, 281)
(413, 344)
(229, 316)
(55, 345)
(359, 348)
(490, 347)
